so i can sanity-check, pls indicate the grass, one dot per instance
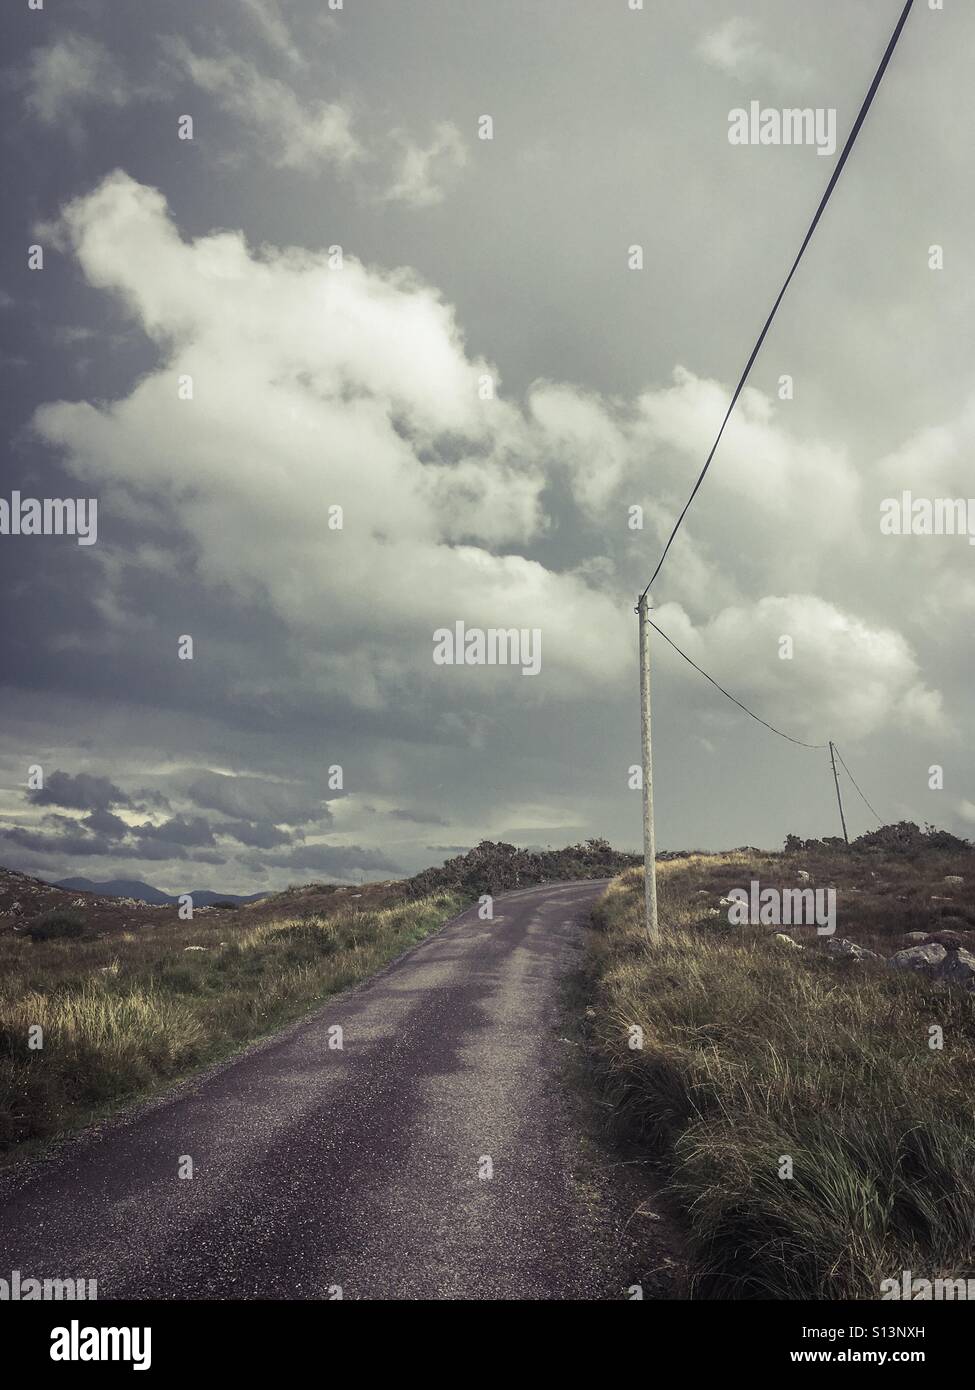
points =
(122, 1015)
(753, 1054)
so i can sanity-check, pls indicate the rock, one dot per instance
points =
(803, 876)
(923, 958)
(194, 948)
(726, 902)
(950, 940)
(916, 936)
(954, 878)
(958, 968)
(843, 949)
(784, 939)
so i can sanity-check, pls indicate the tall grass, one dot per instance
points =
(124, 1014)
(753, 1055)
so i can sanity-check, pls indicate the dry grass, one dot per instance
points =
(753, 1052)
(124, 1014)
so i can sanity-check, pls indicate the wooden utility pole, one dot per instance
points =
(649, 840)
(832, 758)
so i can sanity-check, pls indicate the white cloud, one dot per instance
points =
(316, 386)
(296, 134)
(422, 170)
(844, 679)
(735, 48)
(267, 16)
(72, 72)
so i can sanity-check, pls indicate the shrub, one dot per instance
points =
(59, 924)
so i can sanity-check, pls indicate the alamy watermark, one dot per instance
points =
(911, 1289)
(493, 646)
(17, 1289)
(908, 515)
(786, 907)
(50, 516)
(766, 125)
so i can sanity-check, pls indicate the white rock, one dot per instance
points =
(784, 939)
(849, 950)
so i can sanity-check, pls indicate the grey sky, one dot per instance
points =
(314, 386)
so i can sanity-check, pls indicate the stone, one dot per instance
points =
(784, 939)
(958, 968)
(843, 949)
(919, 958)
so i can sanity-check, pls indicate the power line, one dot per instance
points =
(728, 694)
(858, 791)
(851, 140)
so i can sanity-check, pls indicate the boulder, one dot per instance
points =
(958, 968)
(916, 936)
(784, 939)
(949, 939)
(954, 878)
(803, 876)
(923, 958)
(842, 949)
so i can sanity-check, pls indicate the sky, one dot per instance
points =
(361, 321)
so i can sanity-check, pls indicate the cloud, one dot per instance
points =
(82, 792)
(72, 72)
(291, 354)
(254, 834)
(192, 831)
(267, 16)
(256, 799)
(340, 860)
(735, 48)
(423, 171)
(418, 817)
(291, 133)
(843, 679)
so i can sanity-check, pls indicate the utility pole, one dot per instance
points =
(832, 758)
(649, 840)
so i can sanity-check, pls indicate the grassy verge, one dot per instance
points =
(123, 1014)
(752, 1055)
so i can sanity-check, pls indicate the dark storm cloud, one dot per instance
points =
(105, 823)
(82, 792)
(256, 834)
(65, 843)
(257, 799)
(179, 830)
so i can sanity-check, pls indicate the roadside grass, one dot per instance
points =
(124, 1014)
(753, 1053)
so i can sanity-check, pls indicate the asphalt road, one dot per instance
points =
(364, 1169)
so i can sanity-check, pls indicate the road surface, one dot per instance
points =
(437, 1155)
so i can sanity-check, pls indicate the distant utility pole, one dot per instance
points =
(832, 758)
(649, 840)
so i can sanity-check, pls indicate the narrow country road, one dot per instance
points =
(364, 1168)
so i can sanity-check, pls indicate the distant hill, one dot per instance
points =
(145, 893)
